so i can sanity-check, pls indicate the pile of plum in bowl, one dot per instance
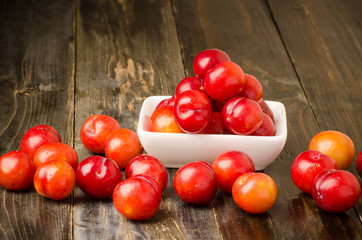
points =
(219, 109)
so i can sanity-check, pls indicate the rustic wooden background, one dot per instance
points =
(62, 61)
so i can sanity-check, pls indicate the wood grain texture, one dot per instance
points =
(252, 40)
(36, 78)
(323, 39)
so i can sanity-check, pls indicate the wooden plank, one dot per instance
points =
(127, 51)
(248, 34)
(36, 78)
(323, 39)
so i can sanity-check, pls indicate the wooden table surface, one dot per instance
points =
(63, 61)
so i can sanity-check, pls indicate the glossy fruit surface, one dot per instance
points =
(138, 197)
(359, 164)
(335, 144)
(54, 179)
(266, 128)
(148, 165)
(192, 111)
(207, 59)
(196, 183)
(229, 166)
(163, 120)
(56, 151)
(242, 115)
(255, 192)
(169, 101)
(307, 165)
(336, 190)
(215, 125)
(16, 171)
(224, 81)
(97, 176)
(95, 130)
(122, 145)
(265, 108)
(36, 137)
(189, 83)
(252, 88)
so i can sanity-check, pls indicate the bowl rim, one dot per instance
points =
(280, 122)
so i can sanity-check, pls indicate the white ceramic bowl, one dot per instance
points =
(178, 149)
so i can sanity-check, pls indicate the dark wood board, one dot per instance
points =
(326, 54)
(253, 41)
(37, 87)
(323, 39)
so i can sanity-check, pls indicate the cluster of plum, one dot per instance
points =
(233, 172)
(138, 197)
(219, 99)
(52, 166)
(42, 158)
(321, 171)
